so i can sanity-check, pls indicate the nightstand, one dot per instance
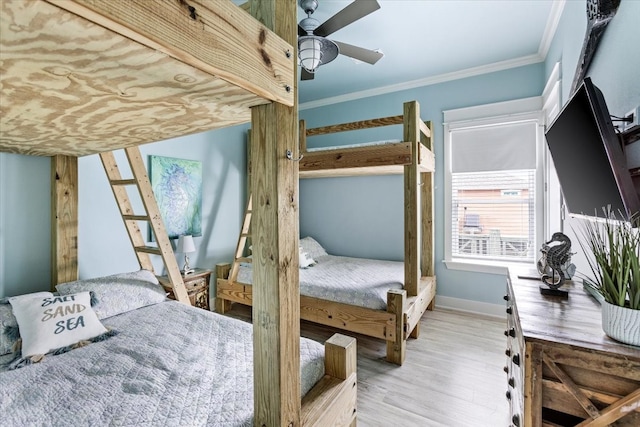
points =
(197, 284)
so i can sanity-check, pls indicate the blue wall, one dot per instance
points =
(25, 224)
(349, 216)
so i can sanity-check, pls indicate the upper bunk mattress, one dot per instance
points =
(169, 365)
(354, 281)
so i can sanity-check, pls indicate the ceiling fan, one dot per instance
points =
(314, 49)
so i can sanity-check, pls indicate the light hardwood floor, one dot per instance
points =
(452, 375)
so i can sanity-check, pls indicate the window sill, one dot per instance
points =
(490, 267)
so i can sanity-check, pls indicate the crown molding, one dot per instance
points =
(552, 26)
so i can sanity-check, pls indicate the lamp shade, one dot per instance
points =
(185, 244)
(310, 53)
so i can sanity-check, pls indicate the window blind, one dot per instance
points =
(493, 192)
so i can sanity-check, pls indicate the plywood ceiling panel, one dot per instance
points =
(71, 87)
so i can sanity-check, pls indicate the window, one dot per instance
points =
(494, 189)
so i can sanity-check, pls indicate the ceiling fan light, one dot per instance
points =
(310, 53)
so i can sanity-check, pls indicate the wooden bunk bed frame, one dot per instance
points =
(81, 77)
(415, 159)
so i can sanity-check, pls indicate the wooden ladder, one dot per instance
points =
(152, 216)
(242, 241)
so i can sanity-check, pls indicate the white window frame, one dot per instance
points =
(528, 109)
(554, 203)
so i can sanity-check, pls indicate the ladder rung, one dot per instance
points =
(148, 249)
(245, 235)
(244, 259)
(136, 218)
(123, 182)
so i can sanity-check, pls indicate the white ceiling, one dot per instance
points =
(427, 41)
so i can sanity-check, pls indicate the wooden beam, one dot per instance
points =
(417, 305)
(399, 153)
(427, 160)
(363, 171)
(533, 384)
(412, 209)
(397, 350)
(425, 129)
(596, 396)
(374, 323)
(333, 402)
(340, 356)
(571, 387)
(302, 135)
(222, 272)
(427, 256)
(275, 232)
(107, 90)
(615, 411)
(362, 124)
(64, 219)
(203, 34)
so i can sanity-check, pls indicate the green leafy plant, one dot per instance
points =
(612, 249)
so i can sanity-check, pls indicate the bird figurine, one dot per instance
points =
(555, 264)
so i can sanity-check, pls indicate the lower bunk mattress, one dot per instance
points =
(355, 281)
(168, 365)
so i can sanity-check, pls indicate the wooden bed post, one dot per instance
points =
(397, 349)
(222, 272)
(64, 219)
(303, 136)
(276, 298)
(427, 260)
(412, 244)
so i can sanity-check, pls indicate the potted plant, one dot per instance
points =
(612, 249)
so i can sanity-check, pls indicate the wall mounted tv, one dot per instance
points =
(589, 159)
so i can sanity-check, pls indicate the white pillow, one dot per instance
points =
(312, 248)
(8, 324)
(51, 323)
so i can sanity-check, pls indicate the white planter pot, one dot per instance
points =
(621, 323)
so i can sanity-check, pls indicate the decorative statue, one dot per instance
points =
(555, 264)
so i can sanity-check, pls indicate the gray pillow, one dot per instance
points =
(119, 293)
(312, 248)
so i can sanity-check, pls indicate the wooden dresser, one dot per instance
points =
(562, 370)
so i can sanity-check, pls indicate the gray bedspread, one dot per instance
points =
(355, 281)
(169, 365)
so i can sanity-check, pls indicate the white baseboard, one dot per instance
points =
(469, 306)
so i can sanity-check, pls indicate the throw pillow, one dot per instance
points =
(8, 325)
(55, 322)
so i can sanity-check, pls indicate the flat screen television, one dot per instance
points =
(589, 158)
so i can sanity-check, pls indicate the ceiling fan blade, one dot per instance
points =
(351, 13)
(301, 31)
(305, 75)
(359, 53)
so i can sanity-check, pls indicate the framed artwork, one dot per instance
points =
(177, 186)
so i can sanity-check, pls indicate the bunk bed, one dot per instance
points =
(414, 158)
(82, 77)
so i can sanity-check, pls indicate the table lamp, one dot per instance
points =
(186, 246)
